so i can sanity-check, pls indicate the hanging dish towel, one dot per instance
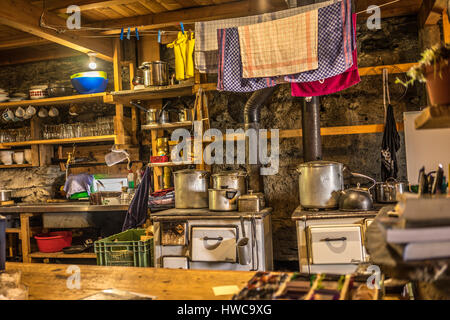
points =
(179, 46)
(330, 85)
(206, 45)
(267, 50)
(137, 211)
(229, 77)
(391, 138)
(335, 55)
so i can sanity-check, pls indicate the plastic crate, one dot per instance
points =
(125, 249)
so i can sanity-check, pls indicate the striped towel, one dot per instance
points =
(267, 50)
(335, 44)
(206, 49)
(229, 76)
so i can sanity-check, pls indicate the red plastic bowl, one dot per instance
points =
(54, 241)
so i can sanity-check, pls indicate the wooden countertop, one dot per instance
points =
(48, 281)
(60, 207)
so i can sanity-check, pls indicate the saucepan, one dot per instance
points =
(386, 192)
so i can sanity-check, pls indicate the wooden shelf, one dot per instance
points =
(171, 125)
(13, 230)
(59, 141)
(168, 164)
(150, 93)
(62, 255)
(433, 118)
(392, 69)
(12, 166)
(81, 98)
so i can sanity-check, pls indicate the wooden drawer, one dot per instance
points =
(335, 244)
(214, 243)
(175, 262)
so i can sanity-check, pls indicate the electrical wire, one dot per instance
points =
(379, 6)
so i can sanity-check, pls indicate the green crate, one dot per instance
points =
(125, 249)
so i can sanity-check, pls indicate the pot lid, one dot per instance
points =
(319, 163)
(189, 171)
(230, 173)
(252, 195)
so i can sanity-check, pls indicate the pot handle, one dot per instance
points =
(391, 179)
(204, 175)
(359, 175)
(235, 196)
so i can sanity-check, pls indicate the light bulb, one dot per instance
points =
(92, 63)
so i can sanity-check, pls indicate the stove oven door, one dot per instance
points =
(335, 244)
(214, 243)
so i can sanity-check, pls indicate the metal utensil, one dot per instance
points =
(5, 195)
(243, 246)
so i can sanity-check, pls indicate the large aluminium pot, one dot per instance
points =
(223, 199)
(386, 192)
(232, 179)
(191, 189)
(156, 73)
(320, 184)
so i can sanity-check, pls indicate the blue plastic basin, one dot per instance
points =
(86, 85)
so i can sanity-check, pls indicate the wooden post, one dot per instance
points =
(119, 129)
(446, 27)
(25, 235)
(35, 135)
(134, 112)
(149, 51)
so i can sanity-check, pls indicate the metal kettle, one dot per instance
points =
(357, 199)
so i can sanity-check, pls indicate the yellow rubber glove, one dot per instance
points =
(179, 47)
(190, 57)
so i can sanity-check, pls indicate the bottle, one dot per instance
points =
(130, 179)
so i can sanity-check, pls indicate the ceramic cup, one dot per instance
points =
(20, 112)
(53, 112)
(27, 155)
(8, 115)
(6, 157)
(18, 157)
(31, 111)
(43, 113)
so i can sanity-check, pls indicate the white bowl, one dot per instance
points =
(27, 155)
(18, 157)
(6, 157)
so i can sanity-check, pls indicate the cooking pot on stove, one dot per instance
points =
(223, 199)
(191, 189)
(386, 192)
(357, 199)
(320, 184)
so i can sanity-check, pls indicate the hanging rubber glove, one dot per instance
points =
(190, 56)
(179, 47)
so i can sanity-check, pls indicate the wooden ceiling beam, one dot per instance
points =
(187, 16)
(21, 15)
(18, 56)
(93, 5)
(431, 11)
(22, 42)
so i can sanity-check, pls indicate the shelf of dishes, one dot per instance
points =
(106, 138)
(104, 126)
(15, 159)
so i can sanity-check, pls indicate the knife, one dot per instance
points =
(437, 185)
(422, 181)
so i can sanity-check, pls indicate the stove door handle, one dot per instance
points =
(334, 239)
(218, 238)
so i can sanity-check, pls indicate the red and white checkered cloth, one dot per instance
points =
(280, 47)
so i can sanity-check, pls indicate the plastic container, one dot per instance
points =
(54, 241)
(89, 82)
(125, 249)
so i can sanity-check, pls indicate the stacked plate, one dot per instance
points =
(18, 96)
(4, 95)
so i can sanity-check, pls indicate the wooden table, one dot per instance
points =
(49, 281)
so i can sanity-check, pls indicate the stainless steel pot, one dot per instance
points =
(357, 199)
(5, 195)
(156, 73)
(223, 199)
(191, 189)
(386, 192)
(320, 184)
(152, 116)
(233, 179)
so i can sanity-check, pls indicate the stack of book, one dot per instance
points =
(421, 228)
